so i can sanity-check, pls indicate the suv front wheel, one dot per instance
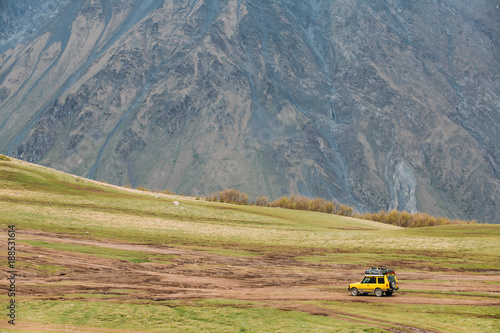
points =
(378, 292)
(354, 292)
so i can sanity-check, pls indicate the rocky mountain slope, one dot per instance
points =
(379, 104)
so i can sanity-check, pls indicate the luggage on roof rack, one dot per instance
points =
(379, 271)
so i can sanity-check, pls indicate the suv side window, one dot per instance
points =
(380, 280)
(369, 279)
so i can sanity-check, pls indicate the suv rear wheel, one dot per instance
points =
(389, 292)
(378, 292)
(354, 292)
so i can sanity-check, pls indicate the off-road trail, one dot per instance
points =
(280, 282)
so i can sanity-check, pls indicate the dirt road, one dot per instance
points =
(277, 281)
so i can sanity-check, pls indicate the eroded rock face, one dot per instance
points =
(377, 104)
(403, 189)
(21, 18)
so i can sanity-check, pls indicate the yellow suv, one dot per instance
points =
(378, 281)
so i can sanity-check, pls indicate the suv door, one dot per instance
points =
(368, 284)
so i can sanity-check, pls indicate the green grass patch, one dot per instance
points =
(454, 282)
(227, 252)
(410, 260)
(118, 254)
(47, 269)
(125, 291)
(445, 318)
(95, 295)
(448, 294)
(205, 316)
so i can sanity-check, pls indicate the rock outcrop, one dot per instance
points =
(377, 104)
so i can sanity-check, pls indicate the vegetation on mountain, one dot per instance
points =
(394, 217)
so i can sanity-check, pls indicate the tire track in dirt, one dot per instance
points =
(358, 319)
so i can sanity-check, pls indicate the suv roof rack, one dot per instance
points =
(379, 271)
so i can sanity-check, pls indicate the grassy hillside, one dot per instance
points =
(93, 256)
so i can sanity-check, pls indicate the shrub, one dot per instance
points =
(405, 219)
(329, 207)
(302, 203)
(229, 195)
(262, 201)
(345, 210)
(312, 204)
(211, 197)
(394, 217)
(4, 158)
(167, 192)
